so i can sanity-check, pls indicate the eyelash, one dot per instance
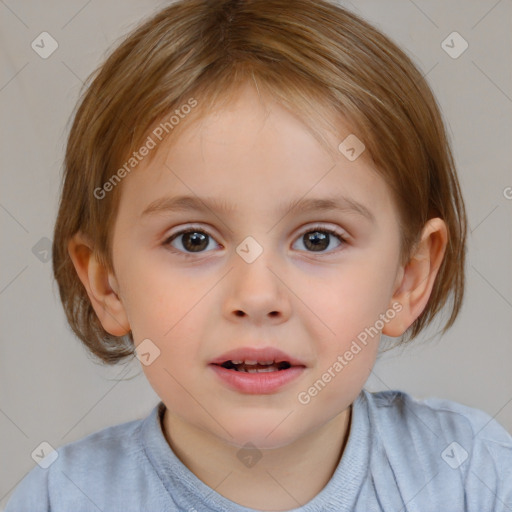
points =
(167, 242)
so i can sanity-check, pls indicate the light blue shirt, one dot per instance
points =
(402, 455)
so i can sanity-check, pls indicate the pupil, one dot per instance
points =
(195, 241)
(317, 239)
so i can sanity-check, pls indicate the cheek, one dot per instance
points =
(355, 299)
(351, 305)
(156, 297)
(164, 306)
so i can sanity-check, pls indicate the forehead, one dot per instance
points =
(251, 153)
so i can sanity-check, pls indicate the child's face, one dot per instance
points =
(310, 304)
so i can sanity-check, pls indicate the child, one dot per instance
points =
(254, 192)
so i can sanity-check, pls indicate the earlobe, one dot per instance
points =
(417, 277)
(101, 286)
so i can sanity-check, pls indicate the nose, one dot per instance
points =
(257, 291)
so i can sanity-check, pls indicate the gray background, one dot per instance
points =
(50, 390)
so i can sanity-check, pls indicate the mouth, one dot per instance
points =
(256, 366)
(256, 360)
(257, 370)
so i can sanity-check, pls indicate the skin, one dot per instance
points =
(256, 156)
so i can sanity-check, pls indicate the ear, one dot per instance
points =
(415, 281)
(101, 286)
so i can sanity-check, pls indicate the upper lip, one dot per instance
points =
(257, 354)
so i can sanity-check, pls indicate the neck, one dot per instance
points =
(283, 478)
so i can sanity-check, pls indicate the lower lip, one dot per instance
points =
(262, 383)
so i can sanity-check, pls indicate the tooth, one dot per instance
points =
(237, 361)
(247, 361)
(260, 370)
(266, 362)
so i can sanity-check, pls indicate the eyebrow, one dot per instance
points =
(302, 205)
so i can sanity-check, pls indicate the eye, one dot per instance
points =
(195, 240)
(192, 240)
(318, 238)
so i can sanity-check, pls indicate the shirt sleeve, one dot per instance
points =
(488, 449)
(31, 494)
(489, 475)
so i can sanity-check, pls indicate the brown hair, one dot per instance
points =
(317, 59)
